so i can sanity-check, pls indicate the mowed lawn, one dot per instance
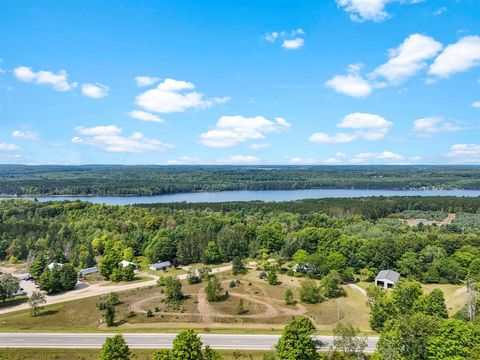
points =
(266, 311)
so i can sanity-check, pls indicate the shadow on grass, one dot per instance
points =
(13, 302)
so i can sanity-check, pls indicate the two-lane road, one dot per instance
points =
(149, 341)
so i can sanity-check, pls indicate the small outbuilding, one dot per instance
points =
(53, 265)
(125, 263)
(88, 271)
(161, 266)
(387, 278)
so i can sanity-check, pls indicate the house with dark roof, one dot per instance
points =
(387, 278)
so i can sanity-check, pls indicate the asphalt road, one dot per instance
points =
(148, 341)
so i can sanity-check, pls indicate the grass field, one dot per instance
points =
(265, 310)
(90, 354)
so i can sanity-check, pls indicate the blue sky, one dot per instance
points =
(240, 82)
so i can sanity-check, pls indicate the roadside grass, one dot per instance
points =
(17, 300)
(92, 354)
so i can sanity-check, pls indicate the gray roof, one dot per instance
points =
(89, 270)
(390, 275)
(161, 265)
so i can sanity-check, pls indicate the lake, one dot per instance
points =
(263, 195)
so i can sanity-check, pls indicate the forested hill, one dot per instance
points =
(156, 180)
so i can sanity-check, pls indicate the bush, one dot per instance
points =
(310, 292)
(149, 313)
(232, 284)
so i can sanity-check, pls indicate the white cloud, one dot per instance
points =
(408, 59)
(361, 10)
(291, 40)
(109, 138)
(144, 116)
(184, 160)
(240, 160)
(301, 161)
(172, 96)
(385, 156)
(259, 146)
(426, 127)
(8, 147)
(233, 130)
(293, 44)
(146, 80)
(476, 104)
(338, 158)
(458, 57)
(58, 81)
(95, 91)
(373, 10)
(465, 153)
(366, 126)
(332, 139)
(28, 135)
(351, 84)
(440, 11)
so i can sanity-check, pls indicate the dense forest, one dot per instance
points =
(157, 180)
(331, 239)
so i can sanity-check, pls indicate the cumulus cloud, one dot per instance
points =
(291, 40)
(372, 10)
(110, 138)
(8, 147)
(28, 135)
(146, 80)
(464, 153)
(476, 104)
(426, 127)
(95, 91)
(338, 158)
(172, 96)
(351, 84)
(58, 81)
(365, 126)
(297, 160)
(184, 160)
(233, 130)
(408, 59)
(293, 44)
(385, 156)
(144, 116)
(240, 160)
(458, 57)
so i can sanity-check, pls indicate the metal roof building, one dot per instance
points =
(387, 278)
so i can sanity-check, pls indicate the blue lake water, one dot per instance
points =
(263, 195)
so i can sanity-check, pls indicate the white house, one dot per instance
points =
(160, 266)
(387, 278)
(54, 265)
(125, 263)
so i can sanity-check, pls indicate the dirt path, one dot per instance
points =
(458, 292)
(359, 289)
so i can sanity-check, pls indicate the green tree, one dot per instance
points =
(296, 342)
(347, 339)
(455, 339)
(405, 293)
(382, 311)
(115, 348)
(212, 254)
(173, 290)
(38, 266)
(240, 309)
(109, 313)
(408, 337)
(330, 285)
(68, 277)
(270, 236)
(214, 290)
(272, 276)
(210, 354)
(187, 346)
(237, 266)
(9, 285)
(36, 300)
(310, 292)
(288, 297)
(432, 304)
(109, 262)
(375, 293)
